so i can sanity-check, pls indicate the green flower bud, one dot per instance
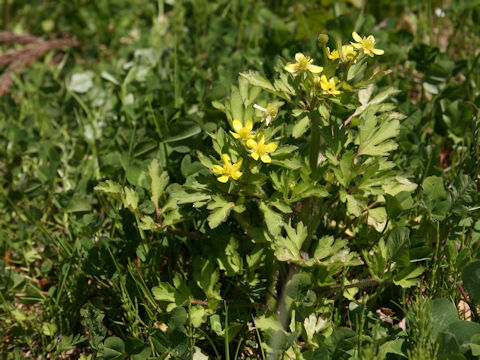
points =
(322, 39)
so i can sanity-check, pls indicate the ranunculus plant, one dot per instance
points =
(301, 169)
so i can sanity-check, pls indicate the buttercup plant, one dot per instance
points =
(308, 172)
(311, 166)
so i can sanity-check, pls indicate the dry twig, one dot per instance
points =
(16, 60)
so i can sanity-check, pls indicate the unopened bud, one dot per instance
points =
(322, 39)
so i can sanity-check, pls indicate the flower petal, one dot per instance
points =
(237, 125)
(252, 144)
(324, 82)
(249, 125)
(235, 135)
(271, 147)
(315, 69)
(291, 68)
(223, 179)
(217, 169)
(238, 164)
(254, 155)
(356, 37)
(378, 51)
(356, 46)
(299, 57)
(268, 120)
(236, 175)
(266, 159)
(226, 159)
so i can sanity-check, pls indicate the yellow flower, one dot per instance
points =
(332, 55)
(260, 149)
(366, 45)
(304, 64)
(348, 53)
(228, 170)
(242, 132)
(329, 86)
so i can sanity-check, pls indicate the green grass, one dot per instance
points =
(78, 275)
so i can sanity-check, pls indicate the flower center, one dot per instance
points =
(228, 169)
(261, 149)
(244, 132)
(304, 62)
(368, 44)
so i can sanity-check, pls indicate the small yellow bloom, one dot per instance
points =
(332, 55)
(261, 150)
(329, 86)
(304, 64)
(348, 53)
(242, 132)
(228, 170)
(366, 45)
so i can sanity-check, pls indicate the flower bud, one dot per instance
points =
(322, 39)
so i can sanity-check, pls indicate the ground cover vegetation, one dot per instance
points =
(224, 179)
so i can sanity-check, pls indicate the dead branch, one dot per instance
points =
(17, 60)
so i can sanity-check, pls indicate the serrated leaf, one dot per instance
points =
(206, 276)
(221, 209)
(198, 315)
(164, 292)
(110, 187)
(130, 199)
(353, 206)
(159, 181)
(190, 131)
(268, 322)
(49, 329)
(273, 219)
(184, 197)
(147, 223)
(298, 235)
(373, 139)
(435, 197)
(218, 105)
(300, 127)
(377, 218)
(398, 244)
(408, 277)
(236, 105)
(257, 79)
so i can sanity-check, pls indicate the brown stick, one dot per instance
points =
(10, 38)
(467, 300)
(19, 59)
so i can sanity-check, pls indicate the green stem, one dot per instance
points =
(315, 139)
(227, 347)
